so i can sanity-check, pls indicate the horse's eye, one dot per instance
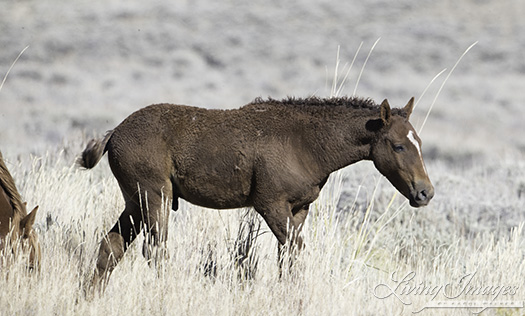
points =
(399, 148)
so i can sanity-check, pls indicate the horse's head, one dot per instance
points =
(23, 239)
(17, 236)
(396, 152)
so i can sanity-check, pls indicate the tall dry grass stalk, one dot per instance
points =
(443, 85)
(11, 67)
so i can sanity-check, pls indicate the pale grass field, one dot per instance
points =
(352, 249)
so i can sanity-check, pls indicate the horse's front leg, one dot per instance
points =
(286, 224)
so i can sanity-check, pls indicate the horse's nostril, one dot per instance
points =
(422, 195)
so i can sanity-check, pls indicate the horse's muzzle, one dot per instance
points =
(421, 196)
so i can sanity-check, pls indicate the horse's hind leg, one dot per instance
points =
(144, 210)
(115, 243)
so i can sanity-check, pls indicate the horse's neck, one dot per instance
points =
(9, 193)
(6, 213)
(340, 143)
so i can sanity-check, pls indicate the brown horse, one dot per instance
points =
(272, 155)
(16, 226)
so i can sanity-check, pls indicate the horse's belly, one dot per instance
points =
(214, 198)
(216, 191)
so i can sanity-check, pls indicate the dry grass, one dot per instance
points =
(352, 249)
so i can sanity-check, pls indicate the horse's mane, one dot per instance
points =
(353, 102)
(8, 185)
(335, 102)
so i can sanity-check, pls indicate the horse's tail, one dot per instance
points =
(95, 149)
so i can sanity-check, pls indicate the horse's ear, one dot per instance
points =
(409, 107)
(27, 222)
(386, 114)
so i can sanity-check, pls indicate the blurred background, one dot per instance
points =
(91, 63)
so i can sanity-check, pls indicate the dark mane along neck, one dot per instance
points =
(352, 102)
(317, 104)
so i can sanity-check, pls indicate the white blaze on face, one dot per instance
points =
(413, 140)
